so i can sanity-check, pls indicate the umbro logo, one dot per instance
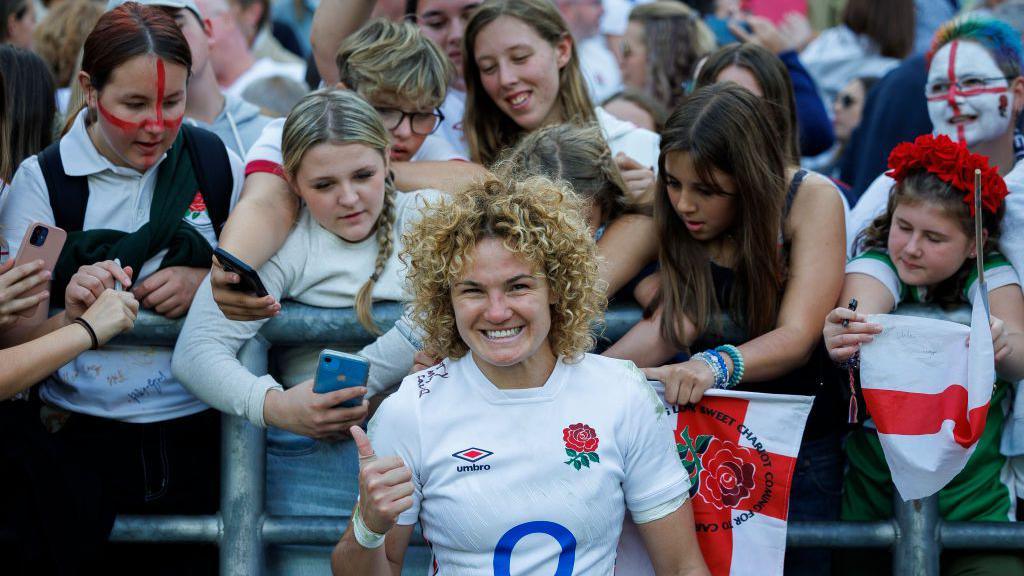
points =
(472, 455)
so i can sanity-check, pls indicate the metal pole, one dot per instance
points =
(243, 466)
(917, 548)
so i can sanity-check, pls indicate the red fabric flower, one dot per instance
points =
(198, 204)
(580, 437)
(729, 474)
(952, 163)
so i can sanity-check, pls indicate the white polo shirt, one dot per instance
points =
(133, 384)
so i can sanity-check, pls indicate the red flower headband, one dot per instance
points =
(953, 164)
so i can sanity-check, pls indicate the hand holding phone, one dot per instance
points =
(41, 242)
(249, 280)
(336, 370)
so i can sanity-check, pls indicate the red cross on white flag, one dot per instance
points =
(928, 395)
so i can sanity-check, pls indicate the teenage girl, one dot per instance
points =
(738, 238)
(923, 249)
(131, 439)
(522, 72)
(343, 252)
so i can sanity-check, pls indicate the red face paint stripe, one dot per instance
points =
(122, 124)
(973, 92)
(160, 83)
(951, 73)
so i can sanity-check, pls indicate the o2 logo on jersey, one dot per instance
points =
(508, 541)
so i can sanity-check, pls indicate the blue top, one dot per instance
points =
(812, 119)
(894, 111)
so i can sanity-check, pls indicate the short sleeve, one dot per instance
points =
(394, 431)
(265, 154)
(653, 473)
(879, 266)
(998, 273)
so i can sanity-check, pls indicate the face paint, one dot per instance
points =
(150, 124)
(965, 92)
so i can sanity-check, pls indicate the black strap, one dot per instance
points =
(68, 194)
(794, 185)
(213, 171)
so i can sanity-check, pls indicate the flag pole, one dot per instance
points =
(979, 242)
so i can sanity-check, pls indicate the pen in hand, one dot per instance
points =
(117, 283)
(853, 308)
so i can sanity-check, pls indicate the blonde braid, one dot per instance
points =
(385, 246)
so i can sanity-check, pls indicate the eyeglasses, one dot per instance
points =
(964, 87)
(422, 123)
(846, 101)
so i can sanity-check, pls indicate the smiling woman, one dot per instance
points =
(522, 72)
(505, 282)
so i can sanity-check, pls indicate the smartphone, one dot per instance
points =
(249, 279)
(336, 370)
(41, 242)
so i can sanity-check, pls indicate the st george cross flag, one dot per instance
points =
(740, 450)
(928, 394)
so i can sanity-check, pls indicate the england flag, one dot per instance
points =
(928, 394)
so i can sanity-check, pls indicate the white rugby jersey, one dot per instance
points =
(531, 481)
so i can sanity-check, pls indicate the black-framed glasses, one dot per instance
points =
(422, 123)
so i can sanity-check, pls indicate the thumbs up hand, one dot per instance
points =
(385, 485)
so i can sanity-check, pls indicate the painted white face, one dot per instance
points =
(969, 98)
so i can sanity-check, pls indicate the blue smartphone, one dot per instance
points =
(336, 370)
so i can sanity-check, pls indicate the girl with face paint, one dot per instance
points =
(975, 94)
(125, 186)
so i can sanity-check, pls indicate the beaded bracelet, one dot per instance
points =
(737, 363)
(717, 365)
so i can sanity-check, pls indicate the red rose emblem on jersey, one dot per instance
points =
(580, 437)
(729, 474)
(580, 445)
(198, 204)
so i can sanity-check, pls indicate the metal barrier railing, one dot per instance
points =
(916, 534)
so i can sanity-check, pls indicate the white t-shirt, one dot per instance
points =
(529, 481)
(265, 154)
(129, 383)
(638, 143)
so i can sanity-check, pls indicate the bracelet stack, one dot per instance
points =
(737, 363)
(717, 365)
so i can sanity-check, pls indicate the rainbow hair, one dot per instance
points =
(998, 37)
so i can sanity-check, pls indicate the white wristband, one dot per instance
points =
(367, 538)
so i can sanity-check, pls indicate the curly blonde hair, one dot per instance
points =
(535, 218)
